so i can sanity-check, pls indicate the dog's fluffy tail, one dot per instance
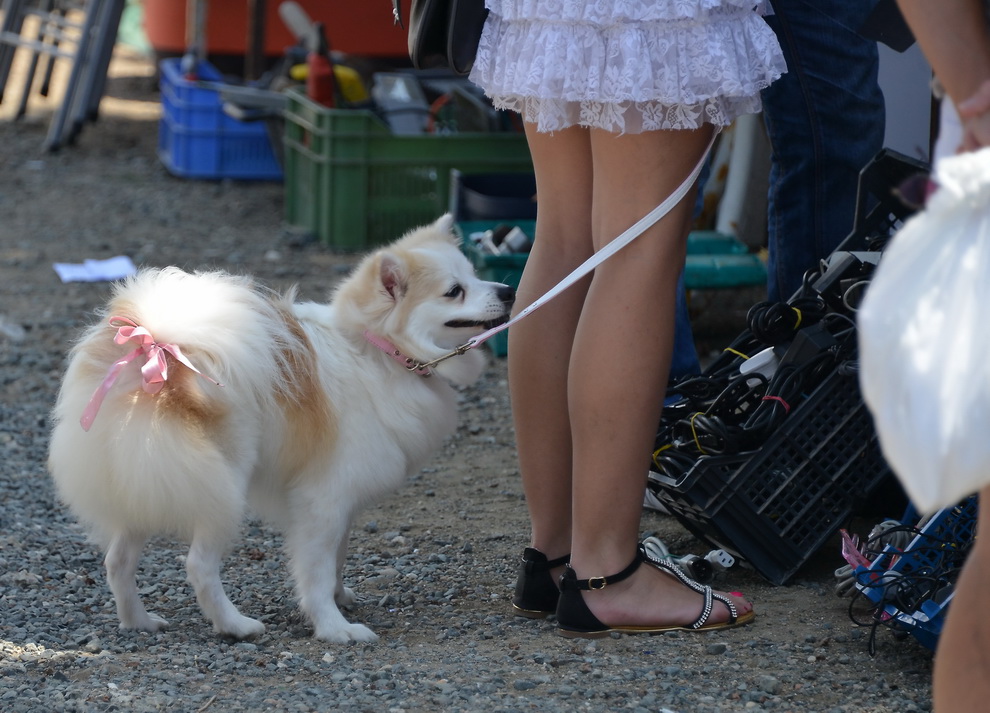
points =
(166, 460)
(229, 328)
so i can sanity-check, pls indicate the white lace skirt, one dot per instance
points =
(627, 65)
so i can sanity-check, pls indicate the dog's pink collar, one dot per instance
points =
(407, 362)
(154, 371)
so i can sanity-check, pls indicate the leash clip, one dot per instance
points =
(423, 367)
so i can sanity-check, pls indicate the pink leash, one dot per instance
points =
(154, 371)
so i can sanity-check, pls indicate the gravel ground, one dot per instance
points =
(433, 565)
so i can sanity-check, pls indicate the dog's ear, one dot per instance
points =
(392, 275)
(445, 224)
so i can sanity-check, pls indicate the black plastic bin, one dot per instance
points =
(777, 506)
(493, 196)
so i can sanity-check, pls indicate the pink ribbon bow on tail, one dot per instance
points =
(154, 371)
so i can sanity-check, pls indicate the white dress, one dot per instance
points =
(627, 65)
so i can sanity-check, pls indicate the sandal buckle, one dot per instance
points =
(596, 583)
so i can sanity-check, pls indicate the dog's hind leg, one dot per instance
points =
(203, 569)
(121, 563)
(344, 596)
(316, 542)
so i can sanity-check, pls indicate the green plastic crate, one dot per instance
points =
(355, 185)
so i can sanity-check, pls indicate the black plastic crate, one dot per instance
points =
(492, 196)
(880, 209)
(775, 507)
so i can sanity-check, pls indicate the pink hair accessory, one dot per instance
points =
(154, 371)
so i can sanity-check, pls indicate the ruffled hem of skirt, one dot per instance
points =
(559, 74)
(600, 14)
(629, 117)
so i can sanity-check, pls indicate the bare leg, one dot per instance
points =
(121, 562)
(540, 345)
(960, 682)
(618, 371)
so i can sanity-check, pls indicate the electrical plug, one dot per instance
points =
(720, 559)
(701, 569)
(697, 568)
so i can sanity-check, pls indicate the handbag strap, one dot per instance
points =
(606, 252)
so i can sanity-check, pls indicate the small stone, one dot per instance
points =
(769, 684)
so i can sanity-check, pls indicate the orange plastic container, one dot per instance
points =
(358, 28)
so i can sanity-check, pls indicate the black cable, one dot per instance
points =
(723, 412)
(775, 323)
(742, 348)
(746, 412)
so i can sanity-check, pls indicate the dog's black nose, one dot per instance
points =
(507, 295)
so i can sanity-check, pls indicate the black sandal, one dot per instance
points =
(536, 592)
(575, 620)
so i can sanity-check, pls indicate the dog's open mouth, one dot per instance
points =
(484, 324)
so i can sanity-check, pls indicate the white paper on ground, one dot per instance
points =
(113, 268)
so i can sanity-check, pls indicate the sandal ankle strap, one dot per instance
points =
(569, 580)
(536, 561)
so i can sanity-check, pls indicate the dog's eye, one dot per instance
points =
(454, 292)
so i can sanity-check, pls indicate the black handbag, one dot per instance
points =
(443, 33)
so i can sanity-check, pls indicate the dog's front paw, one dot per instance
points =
(345, 597)
(151, 623)
(242, 627)
(347, 633)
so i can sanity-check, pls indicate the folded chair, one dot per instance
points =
(79, 32)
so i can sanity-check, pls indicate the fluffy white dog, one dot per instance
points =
(201, 394)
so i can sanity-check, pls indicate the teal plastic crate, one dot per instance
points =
(196, 139)
(714, 261)
(506, 269)
(355, 185)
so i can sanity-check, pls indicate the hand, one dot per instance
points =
(975, 115)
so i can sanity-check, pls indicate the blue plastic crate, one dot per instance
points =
(196, 139)
(912, 588)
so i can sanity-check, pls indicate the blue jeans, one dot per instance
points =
(825, 119)
(685, 361)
